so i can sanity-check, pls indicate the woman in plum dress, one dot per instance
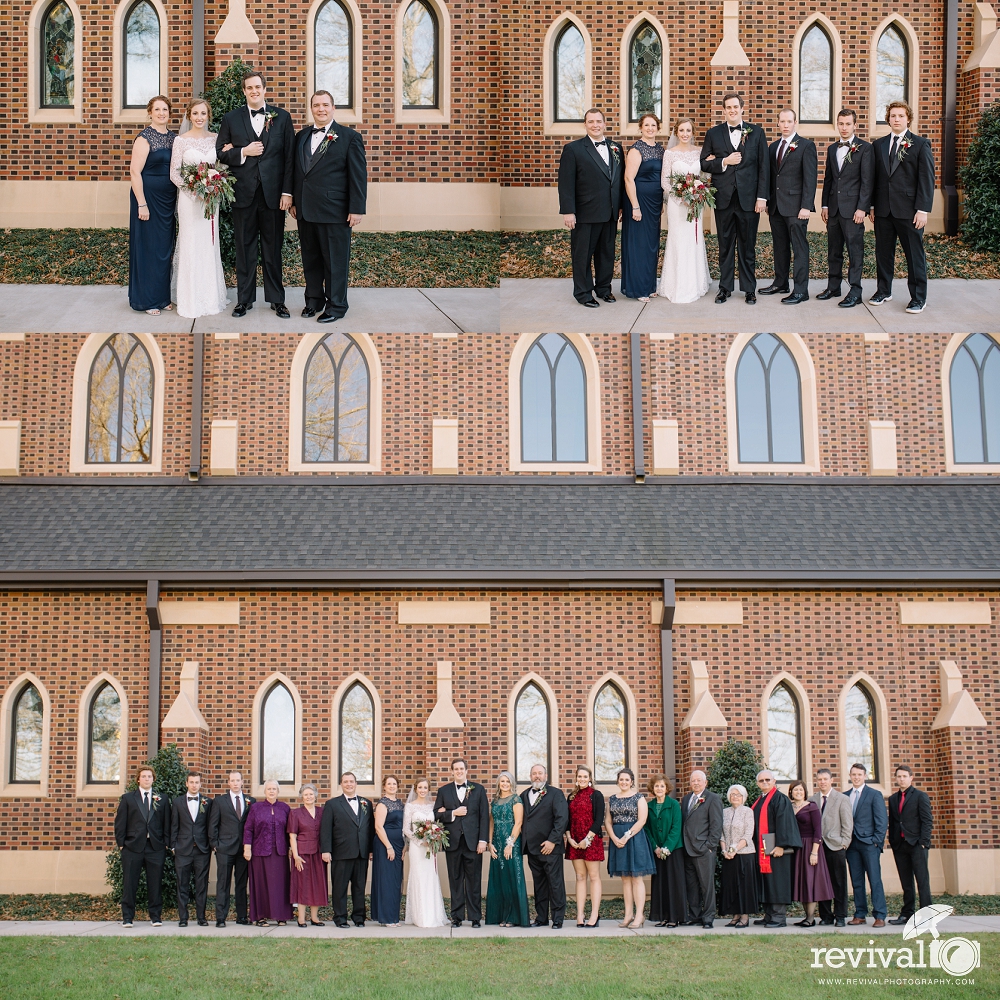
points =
(811, 880)
(641, 217)
(585, 842)
(308, 885)
(265, 846)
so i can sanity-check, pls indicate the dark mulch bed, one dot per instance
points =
(378, 260)
(545, 254)
(82, 907)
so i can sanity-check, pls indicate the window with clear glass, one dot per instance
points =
(58, 57)
(142, 55)
(26, 737)
(277, 736)
(859, 730)
(816, 77)
(784, 756)
(975, 400)
(357, 734)
(120, 402)
(645, 60)
(104, 739)
(553, 402)
(570, 68)
(531, 731)
(768, 403)
(420, 56)
(891, 70)
(610, 734)
(334, 55)
(336, 396)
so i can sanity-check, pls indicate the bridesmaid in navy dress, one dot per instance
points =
(151, 213)
(641, 220)
(387, 855)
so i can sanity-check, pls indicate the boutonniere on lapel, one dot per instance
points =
(613, 148)
(904, 145)
(852, 149)
(268, 118)
(744, 133)
(202, 806)
(700, 801)
(156, 799)
(791, 146)
(330, 137)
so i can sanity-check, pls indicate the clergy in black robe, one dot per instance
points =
(776, 869)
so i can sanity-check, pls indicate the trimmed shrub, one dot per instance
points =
(981, 183)
(736, 763)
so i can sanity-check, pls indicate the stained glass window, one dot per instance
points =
(646, 73)
(58, 57)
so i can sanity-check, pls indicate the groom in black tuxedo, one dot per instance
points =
(192, 851)
(262, 139)
(735, 153)
(346, 829)
(329, 191)
(591, 187)
(546, 817)
(463, 809)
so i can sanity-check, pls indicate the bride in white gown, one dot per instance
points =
(198, 284)
(685, 274)
(424, 902)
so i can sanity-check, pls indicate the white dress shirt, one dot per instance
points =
(534, 796)
(353, 803)
(842, 152)
(784, 144)
(460, 791)
(192, 804)
(602, 151)
(318, 137)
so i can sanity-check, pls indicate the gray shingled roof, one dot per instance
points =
(846, 529)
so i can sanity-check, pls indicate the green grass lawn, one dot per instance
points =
(488, 969)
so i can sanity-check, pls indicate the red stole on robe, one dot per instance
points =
(765, 860)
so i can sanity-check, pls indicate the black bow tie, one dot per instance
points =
(258, 111)
(600, 142)
(316, 129)
(735, 128)
(463, 785)
(847, 143)
(192, 798)
(353, 798)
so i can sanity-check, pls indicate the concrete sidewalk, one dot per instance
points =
(967, 926)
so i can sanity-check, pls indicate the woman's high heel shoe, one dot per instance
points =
(299, 922)
(596, 923)
(806, 923)
(625, 923)
(742, 923)
(637, 926)
(317, 923)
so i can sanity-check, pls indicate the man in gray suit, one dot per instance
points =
(701, 812)
(838, 825)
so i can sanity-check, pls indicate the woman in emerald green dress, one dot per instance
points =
(506, 896)
(667, 893)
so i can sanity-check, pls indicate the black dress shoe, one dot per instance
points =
(308, 312)
(774, 290)
(456, 923)
(328, 317)
(555, 925)
(202, 923)
(220, 923)
(795, 298)
(243, 921)
(839, 922)
(708, 925)
(827, 921)
(760, 923)
(774, 923)
(608, 298)
(850, 301)
(751, 299)
(539, 923)
(182, 923)
(828, 293)
(343, 925)
(899, 921)
(591, 304)
(475, 923)
(724, 294)
(281, 309)
(242, 308)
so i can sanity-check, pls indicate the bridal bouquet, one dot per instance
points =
(694, 191)
(431, 834)
(212, 184)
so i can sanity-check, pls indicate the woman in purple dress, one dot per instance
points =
(265, 846)
(811, 880)
(308, 866)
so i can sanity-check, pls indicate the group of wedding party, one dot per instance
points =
(737, 174)
(259, 166)
(785, 847)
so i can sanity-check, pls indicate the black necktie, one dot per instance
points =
(782, 148)
(145, 802)
(893, 161)
(823, 810)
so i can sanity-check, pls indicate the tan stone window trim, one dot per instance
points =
(23, 790)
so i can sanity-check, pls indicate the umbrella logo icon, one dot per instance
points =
(925, 920)
(958, 956)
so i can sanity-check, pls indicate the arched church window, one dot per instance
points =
(859, 729)
(892, 68)
(420, 56)
(142, 55)
(531, 732)
(768, 402)
(334, 55)
(58, 56)
(335, 401)
(816, 76)
(645, 60)
(104, 737)
(784, 747)
(277, 742)
(610, 734)
(570, 71)
(975, 400)
(357, 734)
(27, 717)
(553, 402)
(120, 402)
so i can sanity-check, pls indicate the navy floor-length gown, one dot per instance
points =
(641, 240)
(151, 243)
(387, 876)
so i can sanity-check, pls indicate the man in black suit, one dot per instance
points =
(226, 820)
(792, 199)
(735, 153)
(591, 188)
(904, 196)
(848, 185)
(546, 818)
(701, 814)
(329, 191)
(142, 832)
(192, 851)
(346, 829)
(464, 810)
(910, 839)
(262, 139)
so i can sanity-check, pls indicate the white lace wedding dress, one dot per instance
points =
(685, 274)
(424, 902)
(198, 284)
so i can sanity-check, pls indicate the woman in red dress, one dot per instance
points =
(586, 844)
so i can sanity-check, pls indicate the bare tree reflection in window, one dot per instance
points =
(859, 730)
(975, 400)
(105, 737)
(277, 738)
(142, 55)
(610, 733)
(783, 753)
(420, 57)
(570, 69)
(768, 402)
(120, 402)
(334, 55)
(335, 427)
(531, 731)
(891, 70)
(816, 76)
(357, 734)
(646, 73)
(26, 738)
